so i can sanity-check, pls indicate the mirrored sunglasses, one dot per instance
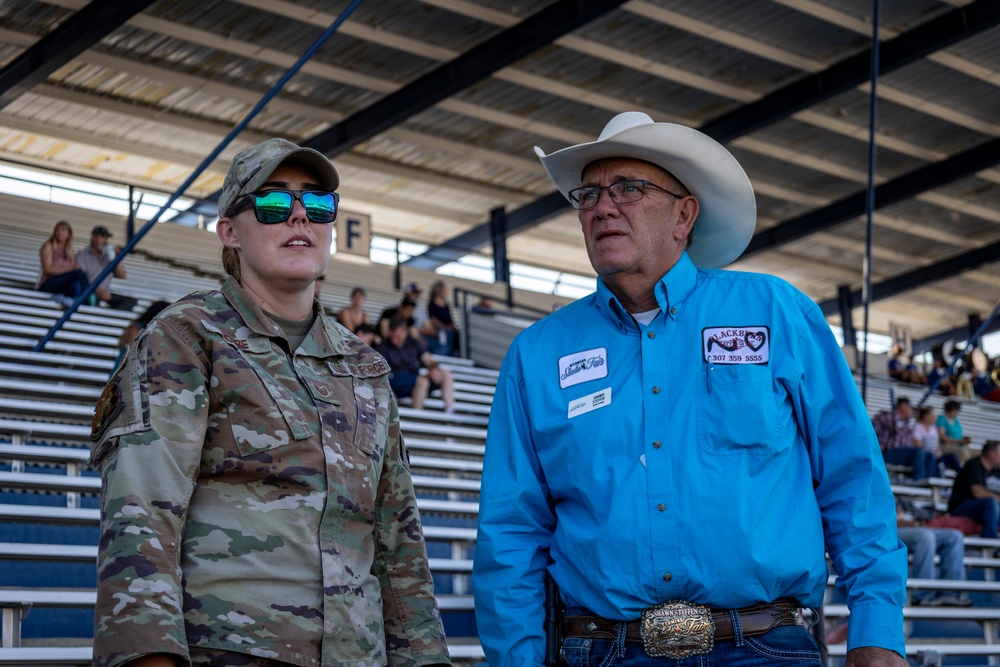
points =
(274, 206)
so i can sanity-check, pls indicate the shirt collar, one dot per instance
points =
(326, 340)
(671, 290)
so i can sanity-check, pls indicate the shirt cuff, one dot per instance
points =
(878, 625)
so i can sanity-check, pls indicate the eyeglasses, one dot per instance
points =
(621, 192)
(274, 206)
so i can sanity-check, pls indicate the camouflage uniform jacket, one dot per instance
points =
(255, 501)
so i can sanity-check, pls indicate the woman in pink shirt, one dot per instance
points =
(60, 274)
(926, 436)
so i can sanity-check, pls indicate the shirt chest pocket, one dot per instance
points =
(263, 413)
(358, 413)
(737, 411)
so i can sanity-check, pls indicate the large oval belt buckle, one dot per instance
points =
(677, 629)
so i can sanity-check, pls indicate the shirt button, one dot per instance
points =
(667, 576)
(656, 390)
(661, 507)
(656, 444)
(673, 311)
(651, 335)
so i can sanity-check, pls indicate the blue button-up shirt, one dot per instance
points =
(707, 457)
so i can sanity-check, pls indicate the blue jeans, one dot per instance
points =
(950, 461)
(923, 543)
(920, 460)
(786, 645)
(72, 283)
(983, 511)
(436, 346)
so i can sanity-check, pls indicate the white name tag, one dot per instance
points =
(585, 404)
(736, 345)
(583, 367)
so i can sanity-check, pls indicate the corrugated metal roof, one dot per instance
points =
(151, 97)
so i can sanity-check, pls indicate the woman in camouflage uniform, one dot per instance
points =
(256, 506)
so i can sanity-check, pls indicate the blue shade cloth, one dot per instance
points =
(636, 471)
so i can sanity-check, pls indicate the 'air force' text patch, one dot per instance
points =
(736, 345)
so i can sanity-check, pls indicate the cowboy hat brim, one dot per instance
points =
(727, 208)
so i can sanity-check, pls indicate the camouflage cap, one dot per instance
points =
(252, 167)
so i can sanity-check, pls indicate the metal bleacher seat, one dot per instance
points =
(46, 402)
(46, 405)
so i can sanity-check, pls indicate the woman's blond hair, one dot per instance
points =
(231, 262)
(52, 242)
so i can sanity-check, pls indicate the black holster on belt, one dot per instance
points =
(553, 622)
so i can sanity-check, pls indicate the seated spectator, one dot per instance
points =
(438, 329)
(926, 436)
(971, 495)
(414, 371)
(94, 258)
(484, 307)
(939, 374)
(923, 543)
(366, 332)
(404, 310)
(983, 384)
(913, 372)
(354, 315)
(131, 332)
(904, 371)
(993, 376)
(892, 428)
(966, 380)
(950, 433)
(60, 275)
(419, 316)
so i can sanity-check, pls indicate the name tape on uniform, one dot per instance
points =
(583, 367)
(585, 404)
(736, 345)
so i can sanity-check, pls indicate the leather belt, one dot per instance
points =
(755, 620)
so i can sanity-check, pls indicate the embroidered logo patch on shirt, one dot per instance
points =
(736, 345)
(583, 367)
(585, 404)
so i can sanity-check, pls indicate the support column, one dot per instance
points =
(844, 305)
(975, 321)
(498, 238)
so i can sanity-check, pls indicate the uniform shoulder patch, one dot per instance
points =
(109, 406)
(122, 407)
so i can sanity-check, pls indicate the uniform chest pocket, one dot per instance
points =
(263, 414)
(354, 410)
(257, 423)
(338, 411)
(736, 411)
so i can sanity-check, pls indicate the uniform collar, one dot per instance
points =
(326, 339)
(671, 290)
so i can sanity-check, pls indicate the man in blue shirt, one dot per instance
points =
(676, 449)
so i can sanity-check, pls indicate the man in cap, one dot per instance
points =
(419, 318)
(94, 258)
(676, 449)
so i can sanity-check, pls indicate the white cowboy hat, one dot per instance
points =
(727, 208)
